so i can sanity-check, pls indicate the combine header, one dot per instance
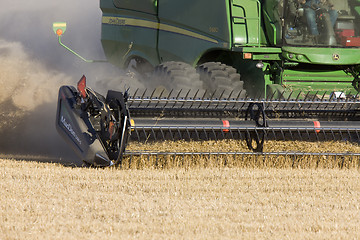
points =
(278, 70)
(99, 128)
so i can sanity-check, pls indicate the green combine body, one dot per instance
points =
(270, 47)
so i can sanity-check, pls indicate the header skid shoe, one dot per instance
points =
(96, 128)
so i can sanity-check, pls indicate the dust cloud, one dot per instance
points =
(28, 96)
(24, 82)
(33, 67)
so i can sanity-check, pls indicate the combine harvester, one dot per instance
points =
(230, 69)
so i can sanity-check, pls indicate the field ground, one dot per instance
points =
(51, 201)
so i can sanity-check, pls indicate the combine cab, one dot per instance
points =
(252, 70)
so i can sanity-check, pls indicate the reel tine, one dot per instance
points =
(187, 94)
(142, 97)
(306, 96)
(134, 95)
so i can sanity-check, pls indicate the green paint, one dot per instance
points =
(197, 31)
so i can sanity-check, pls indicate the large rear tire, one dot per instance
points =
(176, 77)
(221, 80)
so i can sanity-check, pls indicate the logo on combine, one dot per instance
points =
(70, 129)
(335, 57)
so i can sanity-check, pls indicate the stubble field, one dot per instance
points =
(51, 201)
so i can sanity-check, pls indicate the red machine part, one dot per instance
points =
(347, 38)
(350, 41)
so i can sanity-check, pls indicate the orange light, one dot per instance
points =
(247, 55)
(59, 32)
(317, 126)
(81, 86)
(226, 124)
